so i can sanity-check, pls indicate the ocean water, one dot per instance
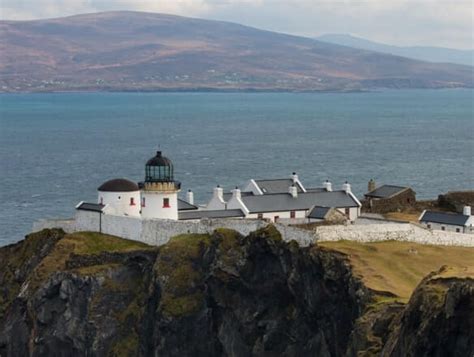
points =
(56, 149)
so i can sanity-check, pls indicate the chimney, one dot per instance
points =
(236, 193)
(346, 187)
(190, 197)
(294, 177)
(293, 191)
(219, 193)
(466, 210)
(371, 186)
(327, 186)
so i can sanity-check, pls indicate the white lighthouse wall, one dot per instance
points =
(120, 202)
(154, 205)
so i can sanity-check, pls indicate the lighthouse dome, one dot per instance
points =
(118, 185)
(159, 169)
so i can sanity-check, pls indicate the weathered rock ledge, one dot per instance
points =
(219, 294)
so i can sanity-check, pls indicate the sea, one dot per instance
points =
(56, 149)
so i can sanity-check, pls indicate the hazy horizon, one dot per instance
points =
(403, 23)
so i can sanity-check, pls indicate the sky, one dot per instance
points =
(443, 23)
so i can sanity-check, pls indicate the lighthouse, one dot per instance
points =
(159, 191)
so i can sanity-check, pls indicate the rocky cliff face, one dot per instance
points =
(214, 295)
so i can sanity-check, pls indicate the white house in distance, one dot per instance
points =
(453, 222)
(157, 198)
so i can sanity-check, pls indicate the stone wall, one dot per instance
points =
(158, 232)
(406, 232)
(68, 225)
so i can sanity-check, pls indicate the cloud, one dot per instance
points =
(405, 22)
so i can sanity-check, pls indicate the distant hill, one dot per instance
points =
(423, 53)
(134, 51)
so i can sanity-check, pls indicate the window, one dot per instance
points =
(143, 201)
(458, 230)
(428, 226)
(132, 201)
(443, 228)
(166, 203)
(292, 214)
(260, 216)
(101, 200)
(276, 218)
(347, 211)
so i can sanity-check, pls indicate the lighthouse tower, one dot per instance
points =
(159, 191)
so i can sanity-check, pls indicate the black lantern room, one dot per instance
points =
(159, 169)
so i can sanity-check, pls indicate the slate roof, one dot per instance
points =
(185, 206)
(228, 195)
(276, 185)
(453, 219)
(386, 191)
(95, 207)
(316, 189)
(229, 213)
(118, 185)
(319, 212)
(304, 201)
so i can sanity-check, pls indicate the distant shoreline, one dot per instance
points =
(223, 91)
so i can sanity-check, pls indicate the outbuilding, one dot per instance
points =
(446, 221)
(388, 198)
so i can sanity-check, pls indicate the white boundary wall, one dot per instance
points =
(406, 232)
(158, 231)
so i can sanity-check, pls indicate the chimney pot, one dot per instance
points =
(466, 210)
(190, 197)
(236, 193)
(293, 191)
(294, 177)
(327, 186)
(219, 193)
(346, 187)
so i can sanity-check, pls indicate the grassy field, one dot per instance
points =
(398, 267)
(403, 216)
(83, 243)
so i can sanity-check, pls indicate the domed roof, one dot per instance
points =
(159, 160)
(118, 185)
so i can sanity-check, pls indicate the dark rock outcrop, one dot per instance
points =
(218, 295)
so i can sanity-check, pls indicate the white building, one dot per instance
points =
(157, 198)
(285, 199)
(452, 222)
(122, 196)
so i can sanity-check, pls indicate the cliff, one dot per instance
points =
(215, 295)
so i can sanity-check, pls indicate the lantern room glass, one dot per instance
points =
(158, 173)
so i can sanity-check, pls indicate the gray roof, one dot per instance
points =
(228, 195)
(453, 219)
(304, 201)
(319, 212)
(386, 191)
(276, 185)
(229, 213)
(95, 207)
(316, 189)
(184, 206)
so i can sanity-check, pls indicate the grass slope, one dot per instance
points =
(398, 267)
(82, 243)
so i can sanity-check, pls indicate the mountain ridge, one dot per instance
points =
(422, 53)
(134, 51)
